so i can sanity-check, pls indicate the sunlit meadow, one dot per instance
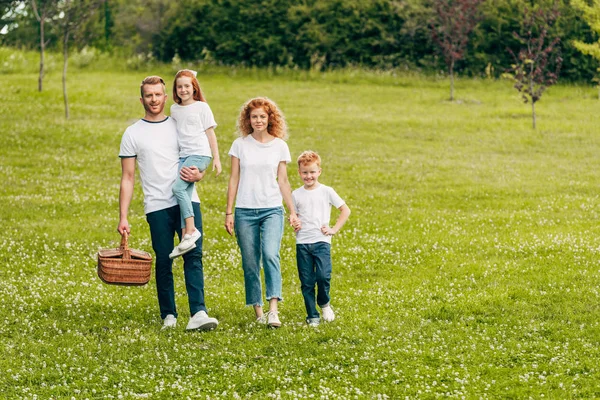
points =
(469, 267)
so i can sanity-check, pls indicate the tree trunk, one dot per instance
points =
(531, 87)
(64, 77)
(452, 80)
(42, 46)
(533, 113)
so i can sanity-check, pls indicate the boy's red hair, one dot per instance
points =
(309, 157)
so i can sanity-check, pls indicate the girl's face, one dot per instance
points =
(259, 120)
(185, 90)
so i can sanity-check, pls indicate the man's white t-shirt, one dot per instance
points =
(314, 210)
(154, 144)
(258, 187)
(192, 122)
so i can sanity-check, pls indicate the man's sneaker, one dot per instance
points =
(202, 321)
(169, 322)
(327, 313)
(313, 322)
(273, 320)
(187, 244)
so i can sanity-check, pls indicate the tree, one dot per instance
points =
(43, 10)
(591, 14)
(74, 13)
(453, 21)
(537, 65)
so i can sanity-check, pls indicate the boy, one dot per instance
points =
(313, 203)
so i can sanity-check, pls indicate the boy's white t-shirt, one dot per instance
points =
(192, 122)
(154, 144)
(258, 187)
(314, 210)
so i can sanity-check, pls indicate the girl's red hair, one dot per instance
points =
(198, 96)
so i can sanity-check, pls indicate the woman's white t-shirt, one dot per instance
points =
(192, 122)
(258, 187)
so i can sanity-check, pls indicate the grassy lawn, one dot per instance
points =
(469, 267)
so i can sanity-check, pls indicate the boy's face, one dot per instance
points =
(310, 174)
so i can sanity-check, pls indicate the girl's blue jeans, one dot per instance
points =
(183, 190)
(259, 232)
(314, 268)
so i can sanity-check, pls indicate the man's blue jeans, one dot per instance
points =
(259, 232)
(163, 226)
(314, 268)
(183, 190)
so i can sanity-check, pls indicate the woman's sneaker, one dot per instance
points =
(273, 320)
(327, 313)
(313, 322)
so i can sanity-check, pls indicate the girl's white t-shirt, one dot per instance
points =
(258, 187)
(192, 122)
(314, 210)
(154, 144)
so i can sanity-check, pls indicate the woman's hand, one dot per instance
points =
(229, 223)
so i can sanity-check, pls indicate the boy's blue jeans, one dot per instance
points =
(163, 226)
(183, 190)
(314, 268)
(259, 232)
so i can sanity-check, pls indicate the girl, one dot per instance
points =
(197, 146)
(258, 183)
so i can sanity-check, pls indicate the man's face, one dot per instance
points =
(154, 99)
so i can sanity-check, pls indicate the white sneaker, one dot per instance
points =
(262, 320)
(273, 320)
(202, 321)
(313, 322)
(327, 313)
(178, 252)
(169, 322)
(187, 244)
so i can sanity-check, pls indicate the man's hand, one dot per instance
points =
(123, 227)
(191, 174)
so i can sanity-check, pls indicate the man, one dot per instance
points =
(152, 141)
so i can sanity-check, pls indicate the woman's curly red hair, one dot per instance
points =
(277, 126)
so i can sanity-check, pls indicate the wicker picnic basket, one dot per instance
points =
(124, 266)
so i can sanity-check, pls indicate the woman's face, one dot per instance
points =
(259, 120)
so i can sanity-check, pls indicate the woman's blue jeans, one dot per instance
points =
(314, 268)
(183, 190)
(259, 232)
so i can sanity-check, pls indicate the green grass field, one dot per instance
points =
(469, 267)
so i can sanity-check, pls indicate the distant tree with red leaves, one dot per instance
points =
(451, 26)
(538, 62)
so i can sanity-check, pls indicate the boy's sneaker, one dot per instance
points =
(202, 321)
(169, 322)
(313, 322)
(327, 313)
(187, 244)
(273, 320)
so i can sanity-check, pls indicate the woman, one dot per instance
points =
(258, 183)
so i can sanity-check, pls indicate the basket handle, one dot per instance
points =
(125, 246)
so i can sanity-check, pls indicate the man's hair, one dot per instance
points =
(151, 80)
(277, 126)
(309, 157)
(198, 95)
